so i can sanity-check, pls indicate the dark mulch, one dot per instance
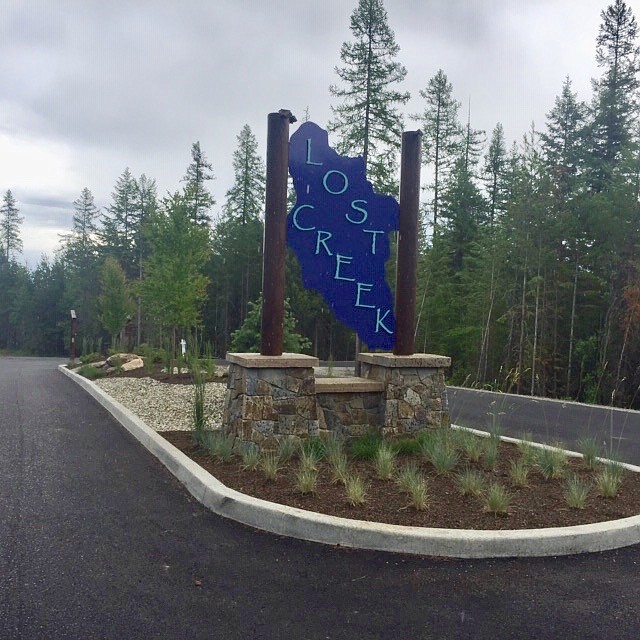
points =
(541, 504)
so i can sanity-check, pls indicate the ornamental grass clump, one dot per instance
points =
(442, 454)
(552, 462)
(355, 490)
(576, 492)
(471, 445)
(306, 480)
(497, 499)
(408, 476)
(528, 453)
(365, 447)
(333, 448)
(519, 472)
(490, 453)
(609, 479)
(270, 464)
(250, 457)
(419, 493)
(470, 482)
(220, 446)
(287, 448)
(309, 459)
(385, 462)
(339, 468)
(590, 450)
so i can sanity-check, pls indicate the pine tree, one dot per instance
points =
(442, 134)
(10, 223)
(119, 224)
(367, 119)
(197, 197)
(495, 172)
(615, 93)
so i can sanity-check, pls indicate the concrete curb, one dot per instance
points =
(306, 525)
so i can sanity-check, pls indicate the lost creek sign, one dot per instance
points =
(339, 230)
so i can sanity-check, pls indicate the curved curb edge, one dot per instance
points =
(315, 527)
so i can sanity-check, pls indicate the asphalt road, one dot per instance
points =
(549, 421)
(97, 540)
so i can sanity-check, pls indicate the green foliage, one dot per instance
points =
(519, 472)
(552, 462)
(408, 476)
(385, 461)
(470, 482)
(367, 118)
(250, 457)
(175, 288)
(114, 302)
(247, 338)
(590, 450)
(497, 499)
(270, 464)
(287, 448)
(10, 222)
(365, 447)
(90, 372)
(576, 492)
(355, 489)
(306, 480)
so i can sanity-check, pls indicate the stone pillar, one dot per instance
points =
(270, 397)
(415, 396)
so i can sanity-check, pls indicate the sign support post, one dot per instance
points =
(407, 262)
(275, 232)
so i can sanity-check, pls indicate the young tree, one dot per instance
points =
(10, 223)
(114, 302)
(235, 268)
(174, 287)
(196, 196)
(367, 119)
(442, 134)
(495, 171)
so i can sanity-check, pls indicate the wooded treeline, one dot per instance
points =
(529, 276)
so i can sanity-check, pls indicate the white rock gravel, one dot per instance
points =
(162, 406)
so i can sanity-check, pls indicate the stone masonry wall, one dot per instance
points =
(350, 413)
(265, 404)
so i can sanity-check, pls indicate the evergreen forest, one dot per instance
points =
(528, 276)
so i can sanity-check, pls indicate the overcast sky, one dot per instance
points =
(89, 87)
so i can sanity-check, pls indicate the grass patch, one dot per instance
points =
(90, 372)
(470, 482)
(552, 462)
(519, 472)
(365, 447)
(355, 490)
(576, 492)
(497, 499)
(270, 464)
(385, 461)
(590, 450)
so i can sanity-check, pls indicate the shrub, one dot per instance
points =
(90, 372)
(576, 492)
(90, 357)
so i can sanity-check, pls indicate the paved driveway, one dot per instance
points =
(97, 540)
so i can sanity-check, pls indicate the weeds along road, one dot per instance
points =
(549, 421)
(98, 540)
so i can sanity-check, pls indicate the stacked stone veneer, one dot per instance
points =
(415, 396)
(270, 397)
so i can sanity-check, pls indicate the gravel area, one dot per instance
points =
(165, 407)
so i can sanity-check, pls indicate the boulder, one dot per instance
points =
(136, 363)
(121, 358)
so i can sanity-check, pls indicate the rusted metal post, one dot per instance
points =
(407, 262)
(275, 232)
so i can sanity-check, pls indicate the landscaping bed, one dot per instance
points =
(539, 502)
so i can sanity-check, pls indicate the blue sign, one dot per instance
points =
(339, 230)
